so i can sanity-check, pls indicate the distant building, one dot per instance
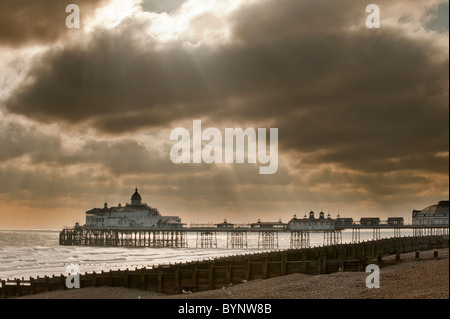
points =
(134, 215)
(342, 222)
(432, 215)
(269, 225)
(225, 225)
(312, 223)
(395, 221)
(370, 221)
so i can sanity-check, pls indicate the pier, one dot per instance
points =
(206, 236)
(139, 225)
(126, 237)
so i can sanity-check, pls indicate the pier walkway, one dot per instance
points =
(206, 236)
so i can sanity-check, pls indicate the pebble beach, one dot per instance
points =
(423, 279)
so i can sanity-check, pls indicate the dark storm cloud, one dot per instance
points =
(378, 163)
(43, 21)
(373, 184)
(124, 157)
(370, 100)
(112, 79)
(37, 182)
(19, 140)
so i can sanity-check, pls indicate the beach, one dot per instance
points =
(423, 279)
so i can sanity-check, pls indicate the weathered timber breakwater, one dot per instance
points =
(213, 274)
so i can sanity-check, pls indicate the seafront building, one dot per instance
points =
(133, 215)
(140, 215)
(312, 223)
(138, 225)
(436, 214)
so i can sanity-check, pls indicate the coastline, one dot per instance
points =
(423, 279)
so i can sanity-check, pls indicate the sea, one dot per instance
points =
(32, 253)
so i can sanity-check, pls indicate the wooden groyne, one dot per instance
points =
(220, 272)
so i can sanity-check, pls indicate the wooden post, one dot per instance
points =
(361, 262)
(228, 272)
(435, 255)
(380, 260)
(3, 289)
(177, 278)
(194, 277)
(143, 279)
(18, 288)
(341, 260)
(46, 283)
(283, 265)
(32, 285)
(397, 257)
(125, 279)
(62, 282)
(111, 283)
(304, 264)
(322, 263)
(248, 274)
(417, 256)
(160, 280)
(94, 279)
(210, 275)
(266, 268)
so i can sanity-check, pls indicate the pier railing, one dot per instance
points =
(220, 272)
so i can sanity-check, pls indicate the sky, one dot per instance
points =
(86, 114)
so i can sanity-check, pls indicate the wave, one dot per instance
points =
(28, 260)
(103, 260)
(7, 257)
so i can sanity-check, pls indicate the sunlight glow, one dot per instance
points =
(113, 14)
(194, 22)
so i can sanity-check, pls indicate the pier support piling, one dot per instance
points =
(376, 234)
(123, 237)
(356, 235)
(237, 239)
(206, 239)
(332, 238)
(300, 239)
(267, 239)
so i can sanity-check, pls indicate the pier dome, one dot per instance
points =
(439, 209)
(136, 198)
(436, 214)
